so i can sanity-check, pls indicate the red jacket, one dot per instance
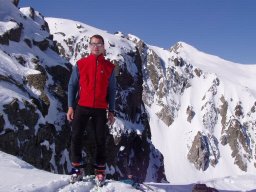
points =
(94, 75)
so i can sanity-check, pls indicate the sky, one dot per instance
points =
(225, 28)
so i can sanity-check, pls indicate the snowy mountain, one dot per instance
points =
(182, 115)
(33, 104)
(192, 101)
(33, 90)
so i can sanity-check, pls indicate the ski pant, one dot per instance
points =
(99, 120)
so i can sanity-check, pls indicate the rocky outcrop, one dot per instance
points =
(21, 118)
(59, 86)
(4, 39)
(31, 13)
(166, 115)
(203, 152)
(12, 81)
(223, 112)
(28, 42)
(38, 81)
(190, 113)
(203, 188)
(15, 32)
(43, 44)
(15, 2)
(11, 34)
(238, 139)
(2, 122)
(199, 153)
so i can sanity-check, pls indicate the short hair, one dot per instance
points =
(97, 37)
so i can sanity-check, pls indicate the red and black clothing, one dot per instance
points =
(93, 81)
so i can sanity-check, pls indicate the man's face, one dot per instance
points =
(97, 46)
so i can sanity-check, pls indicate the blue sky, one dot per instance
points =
(226, 28)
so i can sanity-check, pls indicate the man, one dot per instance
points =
(93, 82)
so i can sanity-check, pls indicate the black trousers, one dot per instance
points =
(99, 120)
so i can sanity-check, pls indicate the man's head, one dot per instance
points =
(97, 45)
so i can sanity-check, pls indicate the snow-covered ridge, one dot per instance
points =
(77, 35)
(33, 93)
(200, 81)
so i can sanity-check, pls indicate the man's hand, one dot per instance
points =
(111, 118)
(70, 114)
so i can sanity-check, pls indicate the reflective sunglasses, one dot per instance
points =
(96, 44)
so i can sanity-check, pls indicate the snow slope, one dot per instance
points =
(19, 176)
(174, 141)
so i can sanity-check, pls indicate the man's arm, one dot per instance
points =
(112, 92)
(111, 98)
(72, 92)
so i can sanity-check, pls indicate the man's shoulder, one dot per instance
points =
(82, 60)
(108, 62)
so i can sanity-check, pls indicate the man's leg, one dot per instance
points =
(78, 126)
(100, 120)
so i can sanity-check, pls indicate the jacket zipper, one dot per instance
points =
(95, 78)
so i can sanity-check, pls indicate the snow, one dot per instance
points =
(77, 32)
(173, 141)
(19, 176)
(6, 26)
(180, 133)
(225, 69)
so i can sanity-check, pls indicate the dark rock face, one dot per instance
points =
(166, 115)
(28, 42)
(199, 153)
(136, 146)
(135, 157)
(38, 81)
(21, 118)
(31, 13)
(4, 40)
(237, 137)
(203, 188)
(43, 45)
(22, 139)
(223, 112)
(15, 2)
(2, 122)
(190, 113)
(202, 152)
(13, 34)
(59, 88)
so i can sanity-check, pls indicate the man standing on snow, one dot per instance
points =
(93, 82)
